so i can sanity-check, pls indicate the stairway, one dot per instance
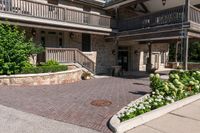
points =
(70, 55)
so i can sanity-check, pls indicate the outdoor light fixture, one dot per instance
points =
(33, 32)
(136, 52)
(164, 2)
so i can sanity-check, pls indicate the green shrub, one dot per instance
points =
(181, 84)
(15, 49)
(50, 63)
(44, 69)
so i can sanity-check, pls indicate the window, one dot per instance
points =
(86, 42)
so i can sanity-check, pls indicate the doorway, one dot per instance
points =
(123, 58)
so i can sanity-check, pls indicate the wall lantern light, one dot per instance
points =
(164, 2)
(136, 52)
(33, 32)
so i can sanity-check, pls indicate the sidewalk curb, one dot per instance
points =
(121, 127)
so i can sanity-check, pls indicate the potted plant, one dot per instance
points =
(86, 76)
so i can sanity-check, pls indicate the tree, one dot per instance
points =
(15, 49)
(193, 54)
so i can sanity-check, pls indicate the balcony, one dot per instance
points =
(165, 17)
(165, 24)
(31, 9)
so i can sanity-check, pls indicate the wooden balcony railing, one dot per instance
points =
(53, 12)
(169, 16)
(195, 14)
(70, 55)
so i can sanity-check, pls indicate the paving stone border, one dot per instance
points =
(121, 127)
(63, 77)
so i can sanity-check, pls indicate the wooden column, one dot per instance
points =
(116, 51)
(186, 37)
(176, 54)
(149, 64)
(186, 46)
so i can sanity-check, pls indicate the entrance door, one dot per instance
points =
(123, 60)
(52, 39)
(86, 42)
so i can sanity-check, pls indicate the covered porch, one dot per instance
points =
(177, 24)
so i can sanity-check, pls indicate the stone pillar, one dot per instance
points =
(149, 64)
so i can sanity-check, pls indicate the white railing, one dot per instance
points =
(53, 12)
(70, 55)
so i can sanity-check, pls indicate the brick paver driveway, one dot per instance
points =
(70, 103)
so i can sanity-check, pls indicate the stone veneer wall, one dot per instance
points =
(191, 65)
(70, 76)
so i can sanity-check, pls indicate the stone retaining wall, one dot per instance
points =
(70, 76)
(191, 66)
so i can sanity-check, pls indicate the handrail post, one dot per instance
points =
(46, 54)
(75, 56)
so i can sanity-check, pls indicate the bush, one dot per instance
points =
(44, 69)
(50, 63)
(181, 84)
(15, 49)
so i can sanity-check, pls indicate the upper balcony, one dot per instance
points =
(162, 24)
(25, 10)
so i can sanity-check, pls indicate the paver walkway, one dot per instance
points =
(70, 103)
(183, 120)
(14, 121)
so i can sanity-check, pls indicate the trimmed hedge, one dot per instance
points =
(44, 69)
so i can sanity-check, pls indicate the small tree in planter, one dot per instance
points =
(15, 49)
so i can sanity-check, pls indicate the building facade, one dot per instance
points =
(99, 35)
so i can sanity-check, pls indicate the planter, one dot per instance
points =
(69, 76)
(120, 127)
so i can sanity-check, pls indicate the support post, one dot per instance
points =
(149, 65)
(116, 51)
(176, 54)
(186, 37)
(117, 17)
(186, 46)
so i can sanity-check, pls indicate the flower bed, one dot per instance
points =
(181, 84)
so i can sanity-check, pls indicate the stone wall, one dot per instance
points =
(104, 56)
(191, 66)
(70, 76)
